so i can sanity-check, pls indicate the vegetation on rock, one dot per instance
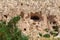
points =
(10, 31)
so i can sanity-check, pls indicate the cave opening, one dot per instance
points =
(35, 18)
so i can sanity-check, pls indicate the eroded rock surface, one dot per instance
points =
(36, 15)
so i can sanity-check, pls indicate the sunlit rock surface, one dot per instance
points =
(36, 15)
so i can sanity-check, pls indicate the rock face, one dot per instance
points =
(36, 15)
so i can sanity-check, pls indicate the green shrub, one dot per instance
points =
(10, 31)
(46, 35)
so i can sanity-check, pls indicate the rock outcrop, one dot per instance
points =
(36, 15)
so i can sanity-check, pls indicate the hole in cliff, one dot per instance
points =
(5, 16)
(54, 22)
(21, 4)
(55, 28)
(35, 18)
(24, 29)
